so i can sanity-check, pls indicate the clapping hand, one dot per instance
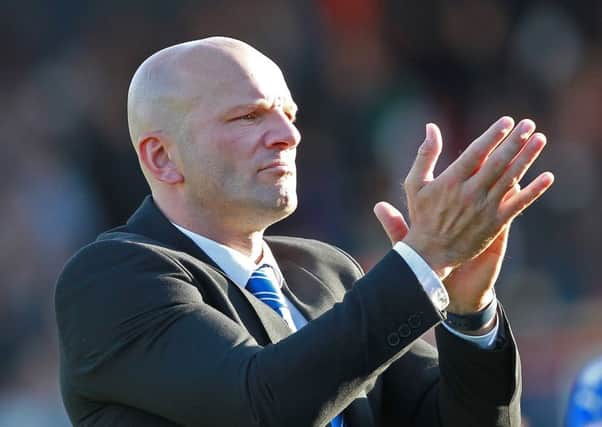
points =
(461, 218)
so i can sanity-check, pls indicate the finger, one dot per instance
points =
(502, 156)
(519, 166)
(426, 159)
(392, 221)
(472, 158)
(515, 189)
(519, 202)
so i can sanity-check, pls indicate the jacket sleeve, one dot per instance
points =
(462, 385)
(134, 330)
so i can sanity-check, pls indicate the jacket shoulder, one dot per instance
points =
(312, 254)
(114, 253)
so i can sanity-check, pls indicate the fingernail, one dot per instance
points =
(428, 132)
(507, 123)
(540, 138)
(526, 128)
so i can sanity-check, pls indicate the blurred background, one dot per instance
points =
(368, 75)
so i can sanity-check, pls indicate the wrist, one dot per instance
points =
(461, 307)
(486, 328)
(475, 323)
(429, 254)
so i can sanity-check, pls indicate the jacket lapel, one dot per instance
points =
(309, 294)
(274, 325)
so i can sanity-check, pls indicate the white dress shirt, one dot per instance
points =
(239, 267)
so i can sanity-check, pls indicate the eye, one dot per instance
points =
(249, 117)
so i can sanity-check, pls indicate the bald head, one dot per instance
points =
(173, 81)
(212, 122)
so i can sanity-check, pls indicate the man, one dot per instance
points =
(187, 315)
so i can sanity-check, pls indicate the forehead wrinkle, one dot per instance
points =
(263, 89)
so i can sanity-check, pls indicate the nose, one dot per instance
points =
(282, 133)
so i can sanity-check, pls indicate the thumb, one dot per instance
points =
(426, 159)
(392, 221)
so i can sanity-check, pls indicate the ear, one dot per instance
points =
(154, 155)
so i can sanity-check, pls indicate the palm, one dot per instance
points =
(473, 281)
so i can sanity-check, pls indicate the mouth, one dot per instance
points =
(278, 166)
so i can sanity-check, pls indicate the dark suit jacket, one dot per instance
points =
(152, 333)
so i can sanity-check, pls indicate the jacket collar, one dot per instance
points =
(149, 221)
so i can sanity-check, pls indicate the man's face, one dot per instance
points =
(239, 157)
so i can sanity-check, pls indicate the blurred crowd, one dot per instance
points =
(367, 75)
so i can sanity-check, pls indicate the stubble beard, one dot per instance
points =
(257, 207)
(281, 201)
(273, 201)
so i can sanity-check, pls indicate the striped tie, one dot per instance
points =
(264, 285)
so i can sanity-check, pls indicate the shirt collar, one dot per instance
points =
(236, 265)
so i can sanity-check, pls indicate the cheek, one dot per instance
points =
(230, 158)
(237, 148)
(200, 163)
(223, 155)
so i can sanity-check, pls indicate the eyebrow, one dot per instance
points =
(288, 106)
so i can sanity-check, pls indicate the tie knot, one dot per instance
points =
(265, 272)
(264, 286)
(263, 279)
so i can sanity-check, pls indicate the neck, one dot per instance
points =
(235, 233)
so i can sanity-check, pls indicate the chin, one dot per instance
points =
(283, 197)
(273, 204)
(287, 203)
(280, 205)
